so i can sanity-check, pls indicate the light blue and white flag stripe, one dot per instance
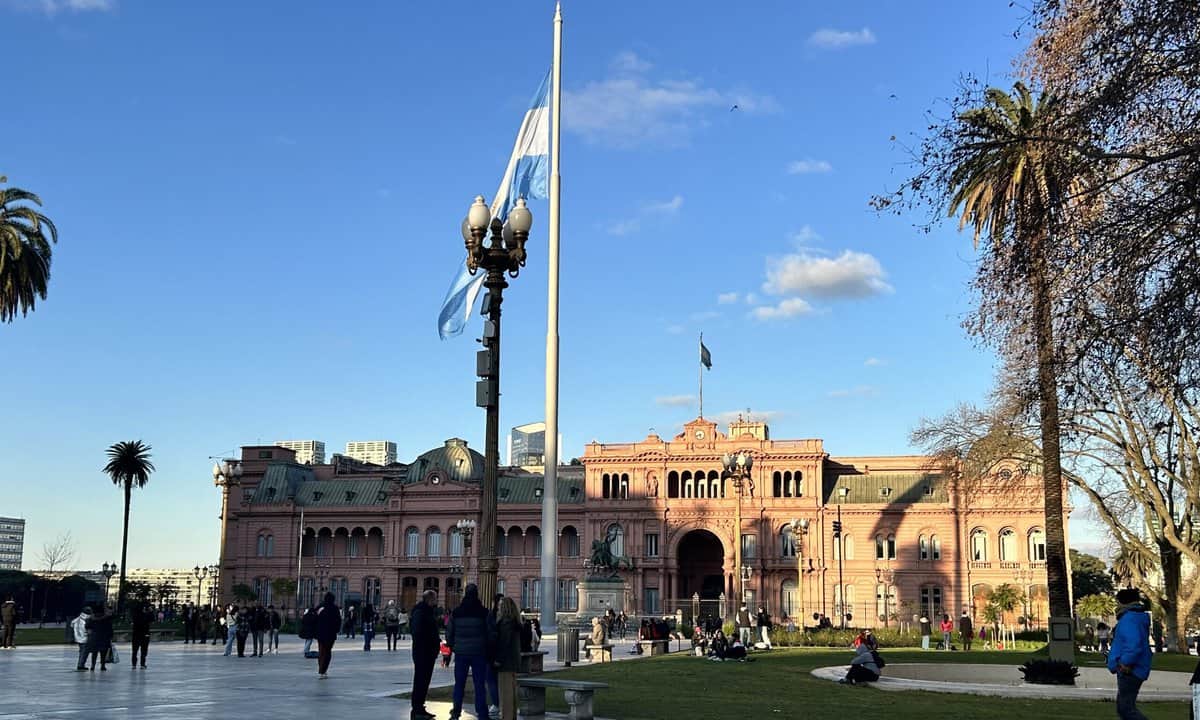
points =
(526, 176)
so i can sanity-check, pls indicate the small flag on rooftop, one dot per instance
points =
(705, 356)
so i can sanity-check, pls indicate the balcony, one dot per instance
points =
(976, 565)
(1010, 566)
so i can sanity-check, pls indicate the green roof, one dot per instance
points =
(324, 493)
(518, 489)
(280, 483)
(455, 460)
(890, 488)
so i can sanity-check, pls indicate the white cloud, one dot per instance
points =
(629, 108)
(875, 362)
(675, 400)
(804, 167)
(856, 391)
(789, 308)
(850, 275)
(621, 228)
(728, 298)
(53, 7)
(670, 207)
(751, 299)
(835, 39)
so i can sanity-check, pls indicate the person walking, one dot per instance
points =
(966, 629)
(203, 625)
(1104, 635)
(79, 628)
(229, 620)
(351, 621)
(328, 621)
(189, 625)
(743, 624)
(1129, 657)
(100, 635)
(947, 628)
(140, 617)
(493, 679)
(426, 642)
(926, 631)
(368, 626)
(308, 630)
(508, 656)
(391, 624)
(764, 627)
(274, 625)
(244, 628)
(471, 630)
(8, 624)
(259, 624)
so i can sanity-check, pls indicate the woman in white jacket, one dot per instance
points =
(79, 627)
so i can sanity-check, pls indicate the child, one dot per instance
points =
(445, 652)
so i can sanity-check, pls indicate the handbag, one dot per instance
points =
(112, 654)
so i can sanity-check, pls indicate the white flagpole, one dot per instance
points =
(701, 368)
(550, 470)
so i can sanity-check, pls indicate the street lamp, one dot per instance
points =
(1024, 578)
(799, 530)
(839, 539)
(737, 469)
(505, 253)
(107, 570)
(226, 474)
(200, 573)
(885, 577)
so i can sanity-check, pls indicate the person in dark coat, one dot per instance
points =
(100, 635)
(426, 642)
(259, 624)
(244, 620)
(508, 656)
(275, 621)
(470, 634)
(329, 620)
(966, 629)
(140, 619)
(308, 629)
(368, 626)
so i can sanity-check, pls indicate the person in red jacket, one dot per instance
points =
(947, 627)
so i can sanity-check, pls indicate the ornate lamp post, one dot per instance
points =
(505, 253)
(747, 574)
(200, 573)
(226, 474)
(737, 469)
(1024, 578)
(884, 576)
(466, 528)
(799, 530)
(842, 492)
(107, 570)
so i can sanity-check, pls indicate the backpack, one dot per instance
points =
(878, 659)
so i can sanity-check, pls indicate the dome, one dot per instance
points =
(453, 461)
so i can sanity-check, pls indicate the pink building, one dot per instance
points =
(916, 539)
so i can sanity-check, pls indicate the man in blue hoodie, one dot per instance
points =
(1129, 657)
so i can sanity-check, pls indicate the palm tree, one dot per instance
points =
(26, 237)
(1010, 185)
(129, 467)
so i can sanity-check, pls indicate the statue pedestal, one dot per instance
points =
(596, 596)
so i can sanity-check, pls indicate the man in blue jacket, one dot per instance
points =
(1129, 657)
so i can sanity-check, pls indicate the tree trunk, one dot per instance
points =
(1057, 578)
(1174, 614)
(124, 551)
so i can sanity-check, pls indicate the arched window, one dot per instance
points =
(1037, 545)
(701, 486)
(433, 542)
(412, 542)
(1008, 545)
(375, 542)
(923, 548)
(516, 542)
(787, 483)
(935, 544)
(325, 543)
(358, 542)
(341, 542)
(776, 484)
(533, 541)
(568, 545)
(848, 542)
(618, 534)
(797, 484)
(308, 544)
(880, 547)
(686, 479)
(624, 486)
(787, 544)
(890, 547)
(979, 545)
(501, 543)
(714, 484)
(456, 542)
(605, 490)
(672, 484)
(265, 546)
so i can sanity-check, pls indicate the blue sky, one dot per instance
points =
(259, 208)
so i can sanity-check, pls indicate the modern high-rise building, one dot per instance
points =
(377, 452)
(527, 445)
(308, 452)
(12, 543)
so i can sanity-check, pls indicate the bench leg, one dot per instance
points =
(580, 702)
(531, 702)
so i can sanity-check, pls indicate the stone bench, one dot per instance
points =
(656, 647)
(532, 662)
(604, 651)
(531, 692)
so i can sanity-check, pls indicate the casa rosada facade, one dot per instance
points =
(916, 538)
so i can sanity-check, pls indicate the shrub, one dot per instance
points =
(1043, 671)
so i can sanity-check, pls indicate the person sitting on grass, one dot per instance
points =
(736, 651)
(718, 646)
(863, 667)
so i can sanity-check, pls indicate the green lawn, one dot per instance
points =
(777, 682)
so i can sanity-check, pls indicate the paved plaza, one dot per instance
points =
(196, 682)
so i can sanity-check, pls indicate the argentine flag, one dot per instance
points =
(525, 176)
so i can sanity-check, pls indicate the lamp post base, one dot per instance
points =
(1062, 639)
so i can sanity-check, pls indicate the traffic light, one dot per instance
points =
(837, 528)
